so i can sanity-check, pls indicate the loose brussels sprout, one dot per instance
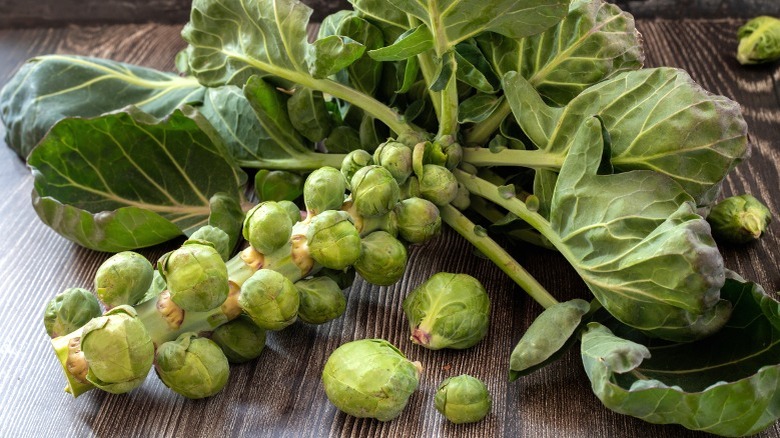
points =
(333, 240)
(374, 191)
(353, 162)
(396, 158)
(382, 260)
(69, 311)
(438, 184)
(278, 185)
(270, 299)
(462, 399)
(118, 350)
(240, 339)
(196, 276)
(418, 220)
(739, 219)
(123, 279)
(324, 190)
(370, 378)
(216, 237)
(759, 41)
(191, 366)
(322, 300)
(267, 227)
(448, 311)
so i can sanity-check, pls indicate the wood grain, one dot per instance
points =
(279, 394)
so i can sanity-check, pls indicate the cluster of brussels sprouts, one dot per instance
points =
(199, 309)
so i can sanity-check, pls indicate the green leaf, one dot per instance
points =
(446, 71)
(726, 384)
(342, 140)
(636, 240)
(409, 44)
(82, 168)
(453, 21)
(478, 108)
(366, 73)
(49, 88)
(309, 114)
(383, 14)
(657, 119)
(594, 42)
(332, 54)
(474, 69)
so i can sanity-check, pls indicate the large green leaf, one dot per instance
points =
(595, 41)
(657, 119)
(726, 384)
(636, 240)
(49, 88)
(126, 179)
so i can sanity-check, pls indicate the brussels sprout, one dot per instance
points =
(418, 220)
(191, 366)
(343, 277)
(270, 299)
(278, 185)
(196, 276)
(374, 191)
(382, 260)
(370, 378)
(324, 190)
(240, 339)
(321, 300)
(69, 311)
(215, 236)
(118, 350)
(333, 240)
(438, 184)
(448, 311)
(268, 227)
(759, 41)
(292, 210)
(353, 162)
(396, 158)
(462, 399)
(739, 219)
(451, 150)
(123, 279)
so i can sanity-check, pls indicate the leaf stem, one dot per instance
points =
(312, 161)
(482, 157)
(497, 255)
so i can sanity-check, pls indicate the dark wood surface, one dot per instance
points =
(279, 394)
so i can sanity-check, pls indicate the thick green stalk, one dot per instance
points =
(537, 159)
(308, 162)
(497, 255)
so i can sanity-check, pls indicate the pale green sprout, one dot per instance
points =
(333, 240)
(240, 339)
(418, 220)
(438, 184)
(374, 191)
(196, 276)
(739, 219)
(324, 190)
(270, 299)
(191, 366)
(396, 158)
(217, 237)
(463, 399)
(268, 226)
(382, 260)
(69, 311)
(759, 40)
(355, 161)
(322, 300)
(123, 278)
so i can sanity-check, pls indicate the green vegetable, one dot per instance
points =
(278, 185)
(353, 162)
(333, 240)
(396, 158)
(382, 259)
(448, 311)
(216, 237)
(321, 300)
(759, 40)
(123, 279)
(324, 190)
(374, 191)
(270, 299)
(462, 399)
(268, 226)
(191, 366)
(370, 378)
(196, 276)
(739, 219)
(438, 185)
(240, 339)
(69, 311)
(418, 220)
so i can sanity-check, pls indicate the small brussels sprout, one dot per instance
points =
(123, 279)
(191, 366)
(370, 378)
(240, 339)
(355, 161)
(324, 190)
(196, 276)
(448, 311)
(343, 277)
(278, 185)
(382, 260)
(333, 240)
(267, 227)
(322, 300)
(292, 210)
(462, 399)
(418, 220)
(270, 299)
(759, 41)
(118, 349)
(216, 237)
(69, 311)
(739, 219)
(451, 150)
(374, 191)
(438, 184)
(396, 158)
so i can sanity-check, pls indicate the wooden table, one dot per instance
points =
(280, 393)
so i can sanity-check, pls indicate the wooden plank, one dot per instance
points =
(280, 394)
